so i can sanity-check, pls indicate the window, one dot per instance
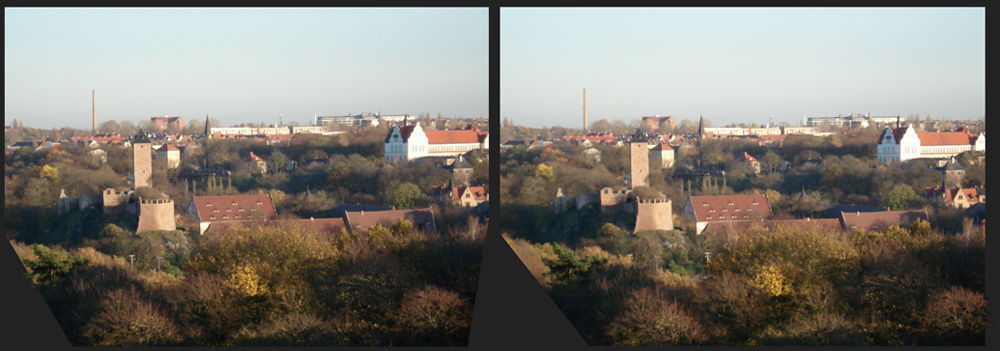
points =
(258, 202)
(705, 204)
(708, 217)
(234, 204)
(734, 216)
(241, 210)
(725, 210)
(225, 217)
(237, 216)
(755, 203)
(711, 210)
(253, 209)
(730, 204)
(212, 217)
(749, 210)
(208, 204)
(249, 216)
(737, 210)
(215, 210)
(229, 210)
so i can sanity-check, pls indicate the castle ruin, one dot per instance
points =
(154, 214)
(652, 210)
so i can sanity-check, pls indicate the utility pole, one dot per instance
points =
(159, 259)
(131, 260)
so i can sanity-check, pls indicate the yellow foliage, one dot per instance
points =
(770, 279)
(246, 281)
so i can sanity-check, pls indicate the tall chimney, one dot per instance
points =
(93, 97)
(585, 110)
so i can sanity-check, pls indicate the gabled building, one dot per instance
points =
(169, 154)
(422, 219)
(879, 221)
(960, 198)
(662, 154)
(207, 210)
(464, 196)
(162, 123)
(902, 144)
(703, 210)
(412, 142)
(257, 163)
(750, 163)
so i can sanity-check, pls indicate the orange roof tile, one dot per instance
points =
(730, 208)
(228, 207)
(946, 138)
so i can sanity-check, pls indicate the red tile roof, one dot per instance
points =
(463, 136)
(748, 158)
(880, 220)
(228, 207)
(256, 158)
(947, 138)
(730, 208)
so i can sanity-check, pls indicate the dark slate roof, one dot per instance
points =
(140, 138)
(879, 221)
(835, 210)
(423, 219)
(342, 208)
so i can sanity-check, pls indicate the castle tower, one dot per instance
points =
(142, 161)
(640, 160)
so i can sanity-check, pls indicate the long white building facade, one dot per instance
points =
(412, 142)
(902, 144)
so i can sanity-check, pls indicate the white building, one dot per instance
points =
(250, 130)
(412, 142)
(853, 120)
(902, 144)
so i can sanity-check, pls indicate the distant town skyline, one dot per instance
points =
(242, 65)
(740, 65)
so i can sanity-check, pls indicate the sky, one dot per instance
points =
(242, 65)
(740, 65)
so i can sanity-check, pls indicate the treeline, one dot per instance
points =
(782, 286)
(263, 286)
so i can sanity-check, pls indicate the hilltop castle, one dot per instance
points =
(652, 210)
(155, 213)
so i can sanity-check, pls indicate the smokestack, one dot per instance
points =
(93, 97)
(584, 111)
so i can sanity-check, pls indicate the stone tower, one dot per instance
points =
(142, 161)
(640, 160)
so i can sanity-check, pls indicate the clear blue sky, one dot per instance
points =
(242, 65)
(740, 65)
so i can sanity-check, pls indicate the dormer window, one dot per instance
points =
(704, 204)
(725, 210)
(730, 204)
(258, 202)
(737, 210)
(237, 216)
(708, 217)
(229, 210)
(711, 210)
(755, 203)
(208, 204)
(212, 217)
(234, 203)
(225, 217)
(215, 210)
(241, 210)
(253, 209)
(749, 210)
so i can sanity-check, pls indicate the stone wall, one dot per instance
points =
(613, 201)
(156, 215)
(640, 164)
(142, 166)
(115, 202)
(654, 214)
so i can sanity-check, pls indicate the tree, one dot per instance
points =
(900, 197)
(772, 162)
(406, 195)
(277, 162)
(568, 268)
(53, 266)
(601, 126)
(652, 320)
